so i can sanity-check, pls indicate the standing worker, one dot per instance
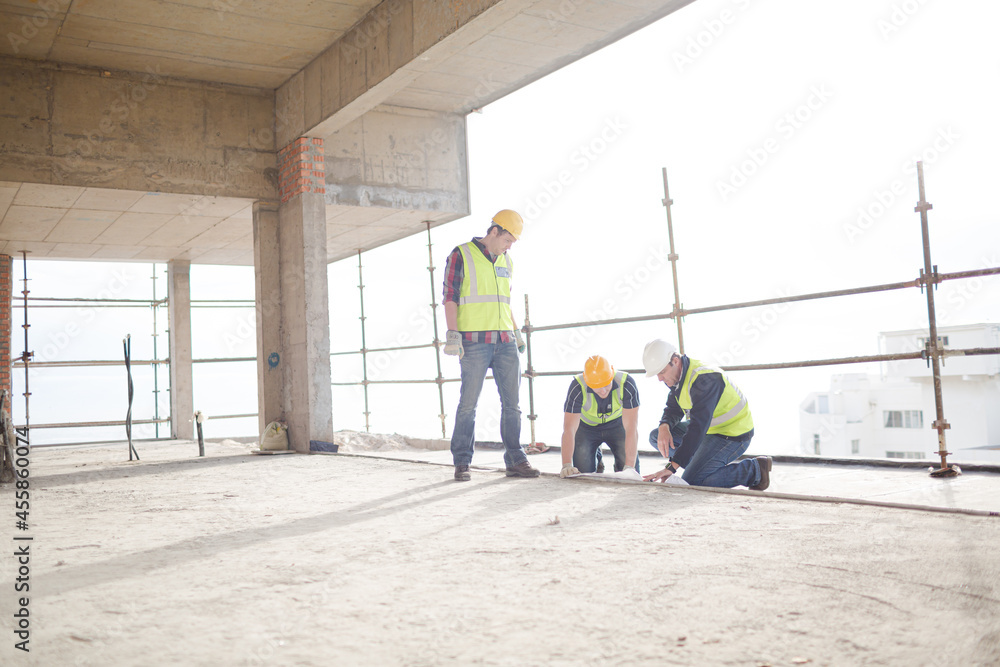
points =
(607, 404)
(718, 429)
(483, 334)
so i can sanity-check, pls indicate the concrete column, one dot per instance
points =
(292, 300)
(181, 377)
(267, 278)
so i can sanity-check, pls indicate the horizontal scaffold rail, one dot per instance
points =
(898, 356)
(682, 312)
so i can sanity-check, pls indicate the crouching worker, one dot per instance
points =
(602, 407)
(718, 429)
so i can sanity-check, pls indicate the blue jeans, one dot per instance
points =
(506, 365)
(714, 462)
(587, 446)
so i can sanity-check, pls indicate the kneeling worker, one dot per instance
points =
(608, 405)
(718, 430)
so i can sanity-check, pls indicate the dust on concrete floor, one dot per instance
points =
(238, 559)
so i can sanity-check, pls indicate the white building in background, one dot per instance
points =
(890, 416)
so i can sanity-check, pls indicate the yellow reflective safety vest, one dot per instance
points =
(732, 413)
(484, 301)
(588, 411)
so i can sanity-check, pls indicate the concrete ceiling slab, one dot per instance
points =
(56, 196)
(243, 42)
(29, 223)
(81, 226)
(97, 199)
(498, 47)
(131, 228)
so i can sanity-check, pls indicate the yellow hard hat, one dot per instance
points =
(598, 372)
(511, 221)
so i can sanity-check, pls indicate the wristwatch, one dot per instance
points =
(673, 464)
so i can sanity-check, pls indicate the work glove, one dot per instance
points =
(568, 470)
(520, 340)
(453, 344)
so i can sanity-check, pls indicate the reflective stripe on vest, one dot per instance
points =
(588, 411)
(732, 413)
(484, 299)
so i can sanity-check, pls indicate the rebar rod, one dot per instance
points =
(437, 341)
(364, 353)
(673, 257)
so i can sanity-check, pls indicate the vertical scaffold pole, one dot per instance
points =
(677, 312)
(364, 347)
(530, 371)
(929, 280)
(26, 355)
(437, 342)
(156, 366)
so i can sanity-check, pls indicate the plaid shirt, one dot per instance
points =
(454, 273)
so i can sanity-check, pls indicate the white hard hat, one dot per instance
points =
(657, 355)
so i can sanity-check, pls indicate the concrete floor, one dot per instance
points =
(238, 559)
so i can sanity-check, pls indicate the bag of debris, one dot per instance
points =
(274, 437)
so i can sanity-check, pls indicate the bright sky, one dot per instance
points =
(789, 131)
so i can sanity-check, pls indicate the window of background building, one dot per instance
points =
(816, 444)
(855, 446)
(904, 455)
(903, 418)
(942, 341)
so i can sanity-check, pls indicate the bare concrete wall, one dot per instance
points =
(68, 125)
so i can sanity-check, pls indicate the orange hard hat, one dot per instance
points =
(598, 372)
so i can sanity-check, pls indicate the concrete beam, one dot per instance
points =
(394, 44)
(67, 125)
(403, 159)
(181, 375)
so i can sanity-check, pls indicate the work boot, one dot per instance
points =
(764, 462)
(462, 474)
(600, 467)
(522, 469)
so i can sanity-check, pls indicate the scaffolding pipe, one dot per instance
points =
(364, 351)
(156, 374)
(530, 371)
(437, 341)
(25, 354)
(866, 359)
(929, 280)
(673, 257)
